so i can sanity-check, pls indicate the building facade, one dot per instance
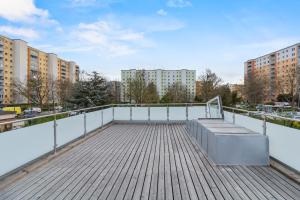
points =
(277, 72)
(18, 61)
(163, 79)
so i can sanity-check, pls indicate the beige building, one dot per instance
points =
(18, 61)
(163, 79)
(277, 71)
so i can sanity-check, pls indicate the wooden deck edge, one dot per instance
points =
(22, 171)
(285, 170)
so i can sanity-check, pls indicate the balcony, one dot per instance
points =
(140, 152)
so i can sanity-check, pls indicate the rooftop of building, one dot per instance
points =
(273, 52)
(147, 161)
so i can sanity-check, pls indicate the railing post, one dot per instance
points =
(233, 116)
(101, 118)
(113, 113)
(206, 111)
(186, 112)
(148, 113)
(54, 133)
(130, 113)
(84, 123)
(264, 125)
(168, 117)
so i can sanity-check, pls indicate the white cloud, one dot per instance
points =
(108, 38)
(23, 11)
(162, 12)
(20, 32)
(178, 3)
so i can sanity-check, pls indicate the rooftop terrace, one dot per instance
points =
(147, 161)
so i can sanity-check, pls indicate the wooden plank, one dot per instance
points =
(103, 178)
(174, 176)
(285, 192)
(242, 189)
(32, 178)
(288, 183)
(215, 183)
(57, 185)
(136, 185)
(202, 188)
(161, 166)
(81, 180)
(45, 180)
(190, 181)
(121, 183)
(247, 183)
(148, 176)
(182, 182)
(128, 189)
(167, 166)
(147, 162)
(154, 175)
(262, 182)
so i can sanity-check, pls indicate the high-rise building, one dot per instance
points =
(18, 61)
(163, 79)
(277, 72)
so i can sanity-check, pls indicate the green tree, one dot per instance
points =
(90, 91)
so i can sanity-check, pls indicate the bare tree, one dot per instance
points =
(176, 93)
(287, 86)
(151, 94)
(136, 88)
(209, 83)
(255, 89)
(63, 91)
(35, 90)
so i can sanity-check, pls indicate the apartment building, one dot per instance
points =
(18, 61)
(278, 72)
(163, 79)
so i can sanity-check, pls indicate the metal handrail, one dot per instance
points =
(98, 107)
(261, 114)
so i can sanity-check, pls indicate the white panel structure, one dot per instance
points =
(284, 144)
(158, 113)
(122, 113)
(140, 113)
(69, 129)
(93, 120)
(196, 112)
(177, 113)
(107, 115)
(283, 141)
(18, 147)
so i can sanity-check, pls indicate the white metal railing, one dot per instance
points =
(214, 108)
(283, 141)
(21, 146)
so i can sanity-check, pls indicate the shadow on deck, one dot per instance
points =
(139, 161)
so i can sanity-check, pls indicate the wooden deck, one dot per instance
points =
(147, 162)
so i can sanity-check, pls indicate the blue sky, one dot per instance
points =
(110, 35)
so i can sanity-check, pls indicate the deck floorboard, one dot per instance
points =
(147, 161)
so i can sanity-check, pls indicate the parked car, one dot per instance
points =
(58, 108)
(33, 109)
(72, 113)
(30, 114)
